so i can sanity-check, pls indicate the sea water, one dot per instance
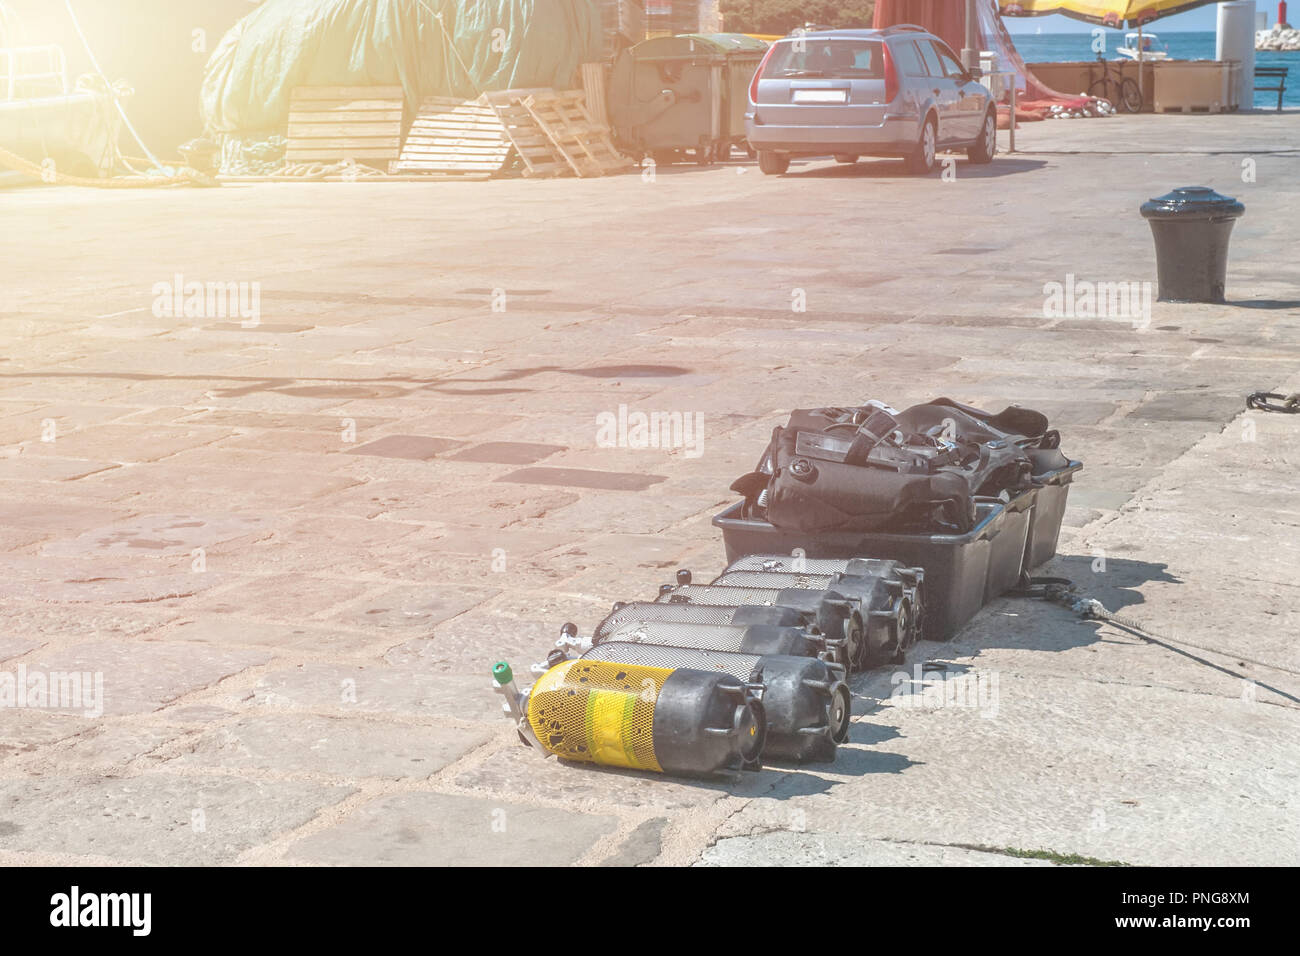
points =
(1069, 47)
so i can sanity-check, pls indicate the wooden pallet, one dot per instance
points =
(536, 153)
(1212, 108)
(333, 123)
(593, 92)
(454, 137)
(584, 143)
(554, 134)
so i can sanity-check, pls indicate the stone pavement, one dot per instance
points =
(291, 550)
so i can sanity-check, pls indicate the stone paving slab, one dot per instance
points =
(138, 678)
(27, 731)
(159, 818)
(312, 640)
(33, 468)
(158, 535)
(516, 769)
(434, 829)
(109, 749)
(414, 691)
(42, 622)
(15, 646)
(349, 748)
(136, 581)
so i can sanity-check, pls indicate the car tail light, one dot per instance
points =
(891, 76)
(758, 74)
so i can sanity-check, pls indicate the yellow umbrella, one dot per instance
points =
(1107, 13)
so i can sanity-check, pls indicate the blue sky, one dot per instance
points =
(1202, 18)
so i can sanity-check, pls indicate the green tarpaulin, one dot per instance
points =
(503, 44)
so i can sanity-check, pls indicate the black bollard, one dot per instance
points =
(1192, 226)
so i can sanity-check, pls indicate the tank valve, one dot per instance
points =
(570, 643)
(504, 684)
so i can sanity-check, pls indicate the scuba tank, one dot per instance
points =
(672, 720)
(805, 700)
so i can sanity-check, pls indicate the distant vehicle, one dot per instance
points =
(900, 92)
(1143, 46)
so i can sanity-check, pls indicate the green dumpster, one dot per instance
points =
(670, 95)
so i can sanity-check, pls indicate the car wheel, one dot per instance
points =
(772, 163)
(920, 161)
(846, 158)
(985, 148)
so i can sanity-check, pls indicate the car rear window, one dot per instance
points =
(908, 59)
(826, 57)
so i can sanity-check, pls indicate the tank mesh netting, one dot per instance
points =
(640, 612)
(710, 636)
(740, 666)
(787, 564)
(775, 579)
(710, 594)
(598, 712)
(877, 567)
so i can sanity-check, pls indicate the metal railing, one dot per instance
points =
(13, 72)
(1011, 127)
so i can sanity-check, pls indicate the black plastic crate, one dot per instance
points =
(962, 571)
(1053, 488)
(1010, 547)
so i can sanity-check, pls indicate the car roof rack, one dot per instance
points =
(903, 28)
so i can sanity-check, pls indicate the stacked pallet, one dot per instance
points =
(335, 123)
(554, 134)
(622, 24)
(464, 139)
(593, 91)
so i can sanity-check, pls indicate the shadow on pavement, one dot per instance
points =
(801, 780)
(865, 168)
(893, 169)
(1265, 304)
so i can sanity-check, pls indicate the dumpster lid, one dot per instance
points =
(1191, 201)
(733, 42)
(698, 44)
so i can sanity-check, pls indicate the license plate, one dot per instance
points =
(821, 96)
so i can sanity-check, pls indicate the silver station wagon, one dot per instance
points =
(900, 91)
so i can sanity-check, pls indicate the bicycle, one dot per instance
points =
(1121, 90)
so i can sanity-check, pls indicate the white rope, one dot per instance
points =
(109, 86)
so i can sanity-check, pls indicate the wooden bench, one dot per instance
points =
(1272, 73)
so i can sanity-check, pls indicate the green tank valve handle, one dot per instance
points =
(514, 705)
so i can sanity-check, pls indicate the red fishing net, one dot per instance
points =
(946, 19)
